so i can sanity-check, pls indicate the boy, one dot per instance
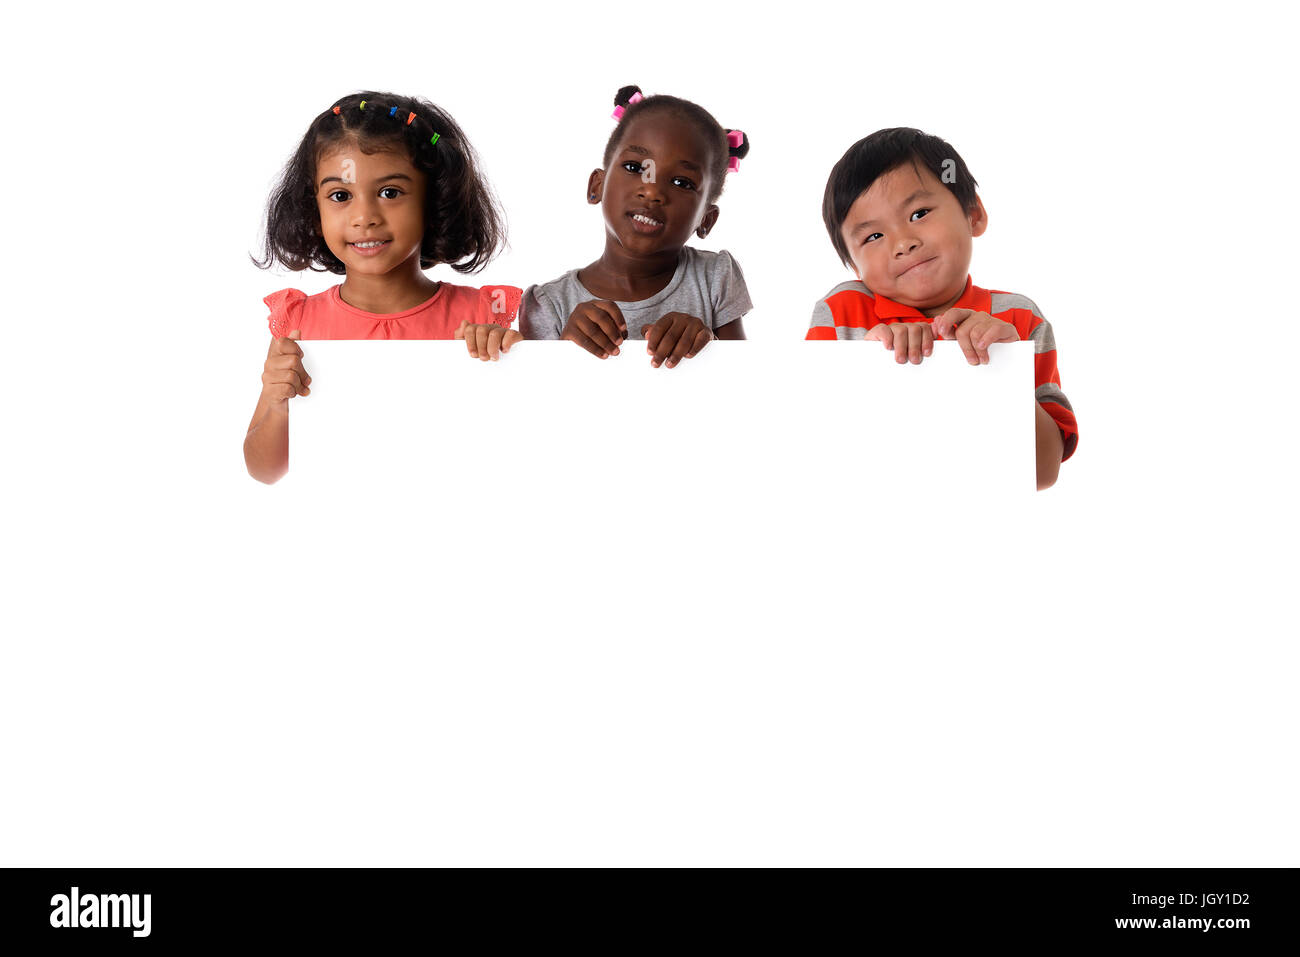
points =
(901, 210)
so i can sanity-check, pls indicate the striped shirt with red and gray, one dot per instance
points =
(850, 309)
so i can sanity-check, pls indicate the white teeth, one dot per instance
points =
(370, 245)
(646, 219)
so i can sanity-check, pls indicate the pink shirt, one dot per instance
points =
(326, 316)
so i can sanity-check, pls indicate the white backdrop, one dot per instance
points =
(1100, 674)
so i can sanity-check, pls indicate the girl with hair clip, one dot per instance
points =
(381, 188)
(662, 173)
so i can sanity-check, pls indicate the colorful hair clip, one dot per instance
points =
(392, 111)
(336, 111)
(409, 119)
(433, 140)
(363, 105)
(733, 165)
(619, 110)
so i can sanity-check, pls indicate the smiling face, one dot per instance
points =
(654, 191)
(910, 240)
(371, 208)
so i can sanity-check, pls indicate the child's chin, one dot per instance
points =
(919, 302)
(639, 240)
(930, 294)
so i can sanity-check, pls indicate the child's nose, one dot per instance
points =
(365, 213)
(650, 190)
(906, 244)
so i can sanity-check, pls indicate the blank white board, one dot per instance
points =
(744, 422)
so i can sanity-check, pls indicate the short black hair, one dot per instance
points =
(873, 156)
(693, 113)
(463, 222)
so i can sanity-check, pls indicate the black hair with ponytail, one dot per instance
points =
(692, 113)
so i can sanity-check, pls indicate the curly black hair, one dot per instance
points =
(463, 222)
(884, 150)
(693, 113)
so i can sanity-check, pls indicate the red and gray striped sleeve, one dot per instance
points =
(843, 313)
(1024, 314)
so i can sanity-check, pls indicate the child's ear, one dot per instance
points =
(595, 186)
(707, 223)
(979, 218)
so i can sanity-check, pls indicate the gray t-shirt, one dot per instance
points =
(707, 285)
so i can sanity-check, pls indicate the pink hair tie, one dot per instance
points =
(735, 139)
(619, 110)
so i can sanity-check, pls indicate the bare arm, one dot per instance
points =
(1050, 447)
(266, 446)
(732, 330)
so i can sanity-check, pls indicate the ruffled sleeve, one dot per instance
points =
(286, 311)
(500, 304)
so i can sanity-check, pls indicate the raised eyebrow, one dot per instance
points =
(918, 194)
